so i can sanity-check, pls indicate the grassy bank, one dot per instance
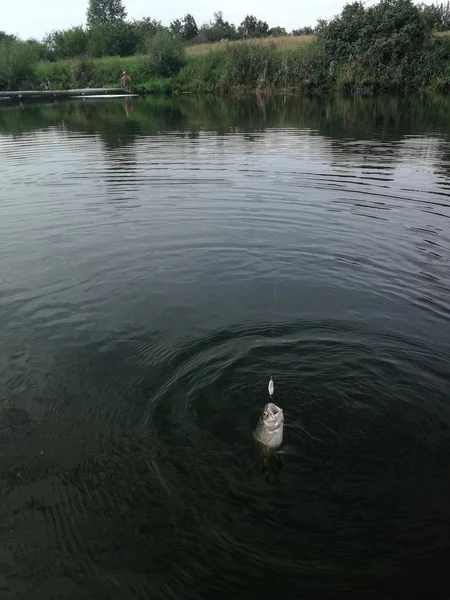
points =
(101, 72)
(390, 46)
(262, 68)
(230, 67)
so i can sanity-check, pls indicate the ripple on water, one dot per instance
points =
(150, 284)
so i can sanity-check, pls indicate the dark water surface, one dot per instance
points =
(159, 260)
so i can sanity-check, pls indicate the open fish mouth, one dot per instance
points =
(274, 410)
(269, 430)
(272, 414)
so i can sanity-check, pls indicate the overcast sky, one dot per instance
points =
(34, 18)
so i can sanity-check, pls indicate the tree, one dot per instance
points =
(67, 43)
(303, 31)
(189, 27)
(277, 31)
(436, 16)
(185, 28)
(6, 37)
(251, 27)
(116, 39)
(54, 43)
(321, 26)
(144, 30)
(105, 12)
(217, 30)
(176, 27)
(38, 47)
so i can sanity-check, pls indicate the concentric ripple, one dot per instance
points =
(159, 261)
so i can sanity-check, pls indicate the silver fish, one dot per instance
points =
(269, 430)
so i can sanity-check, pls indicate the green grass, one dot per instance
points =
(101, 72)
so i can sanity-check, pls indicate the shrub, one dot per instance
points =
(17, 64)
(166, 55)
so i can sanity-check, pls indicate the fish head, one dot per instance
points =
(269, 430)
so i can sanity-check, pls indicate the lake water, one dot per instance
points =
(160, 259)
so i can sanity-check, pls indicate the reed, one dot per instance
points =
(251, 66)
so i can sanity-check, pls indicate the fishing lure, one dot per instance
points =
(271, 387)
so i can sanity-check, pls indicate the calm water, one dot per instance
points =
(159, 260)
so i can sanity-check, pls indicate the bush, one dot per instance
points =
(166, 55)
(388, 32)
(385, 46)
(17, 64)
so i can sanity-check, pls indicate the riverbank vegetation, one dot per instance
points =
(395, 45)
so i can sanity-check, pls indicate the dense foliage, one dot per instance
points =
(387, 46)
(17, 62)
(165, 54)
(392, 45)
(108, 33)
(185, 28)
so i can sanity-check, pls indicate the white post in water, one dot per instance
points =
(271, 387)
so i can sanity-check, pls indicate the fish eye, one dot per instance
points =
(266, 413)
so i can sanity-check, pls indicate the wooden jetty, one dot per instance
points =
(49, 95)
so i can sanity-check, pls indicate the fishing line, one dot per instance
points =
(271, 386)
